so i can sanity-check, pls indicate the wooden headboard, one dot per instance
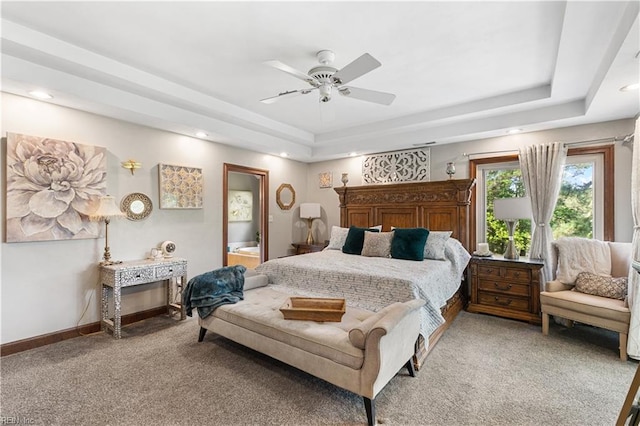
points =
(437, 206)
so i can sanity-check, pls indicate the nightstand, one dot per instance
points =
(505, 287)
(302, 248)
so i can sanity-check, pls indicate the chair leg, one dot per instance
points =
(203, 331)
(410, 367)
(623, 346)
(370, 407)
(545, 323)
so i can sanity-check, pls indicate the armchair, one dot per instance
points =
(559, 298)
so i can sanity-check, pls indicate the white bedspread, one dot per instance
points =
(373, 282)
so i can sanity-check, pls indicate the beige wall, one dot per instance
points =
(45, 286)
(441, 155)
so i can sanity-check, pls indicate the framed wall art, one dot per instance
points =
(52, 188)
(325, 180)
(240, 206)
(180, 187)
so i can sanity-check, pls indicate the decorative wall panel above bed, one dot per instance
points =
(437, 206)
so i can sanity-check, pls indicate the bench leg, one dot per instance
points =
(203, 331)
(370, 407)
(410, 367)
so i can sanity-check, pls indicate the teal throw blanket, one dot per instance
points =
(207, 291)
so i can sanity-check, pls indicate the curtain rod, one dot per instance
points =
(613, 139)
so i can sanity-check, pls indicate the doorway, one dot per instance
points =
(245, 212)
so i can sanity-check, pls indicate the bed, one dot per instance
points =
(374, 282)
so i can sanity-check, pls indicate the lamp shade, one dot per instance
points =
(512, 208)
(309, 210)
(106, 209)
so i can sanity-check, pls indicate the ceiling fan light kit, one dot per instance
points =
(325, 78)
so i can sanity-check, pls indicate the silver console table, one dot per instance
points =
(126, 274)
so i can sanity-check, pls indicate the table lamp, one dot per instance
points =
(510, 210)
(106, 210)
(309, 211)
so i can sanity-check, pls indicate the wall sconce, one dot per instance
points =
(132, 165)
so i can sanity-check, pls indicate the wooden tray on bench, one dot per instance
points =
(313, 309)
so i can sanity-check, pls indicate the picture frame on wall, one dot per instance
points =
(180, 187)
(240, 206)
(53, 187)
(325, 180)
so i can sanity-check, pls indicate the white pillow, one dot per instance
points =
(436, 241)
(338, 237)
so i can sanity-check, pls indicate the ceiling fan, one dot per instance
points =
(327, 79)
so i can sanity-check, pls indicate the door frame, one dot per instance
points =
(264, 207)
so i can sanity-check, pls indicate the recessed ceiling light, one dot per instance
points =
(201, 135)
(40, 94)
(630, 87)
(514, 131)
(284, 154)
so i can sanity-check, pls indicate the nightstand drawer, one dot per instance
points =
(508, 302)
(488, 271)
(517, 274)
(504, 287)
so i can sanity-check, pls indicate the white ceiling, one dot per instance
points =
(460, 70)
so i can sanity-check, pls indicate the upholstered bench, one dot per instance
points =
(362, 353)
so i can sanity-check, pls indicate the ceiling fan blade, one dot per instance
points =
(367, 95)
(355, 69)
(291, 71)
(288, 94)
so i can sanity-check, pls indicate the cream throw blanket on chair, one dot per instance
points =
(577, 255)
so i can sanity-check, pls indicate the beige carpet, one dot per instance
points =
(484, 371)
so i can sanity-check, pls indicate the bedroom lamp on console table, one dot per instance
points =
(309, 211)
(107, 209)
(510, 210)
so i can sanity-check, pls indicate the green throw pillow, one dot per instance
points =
(355, 240)
(408, 243)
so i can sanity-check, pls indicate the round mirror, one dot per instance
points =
(285, 196)
(136, 206)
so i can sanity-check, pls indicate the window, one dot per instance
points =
(584, 207)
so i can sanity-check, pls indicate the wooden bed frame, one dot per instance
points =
(437, 206)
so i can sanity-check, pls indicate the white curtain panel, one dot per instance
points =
(633, 342)
(541, 167)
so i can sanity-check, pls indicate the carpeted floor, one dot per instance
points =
(484, 371)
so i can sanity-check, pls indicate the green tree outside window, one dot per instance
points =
(573, 215)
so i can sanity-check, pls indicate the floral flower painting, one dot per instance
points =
(52, 188)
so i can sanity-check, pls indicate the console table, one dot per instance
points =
(126, 274)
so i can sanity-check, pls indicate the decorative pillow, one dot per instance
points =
(436, 241)
(338, 237)
(598, 285)
(355, 240)
(377, 244)
(408, 243)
